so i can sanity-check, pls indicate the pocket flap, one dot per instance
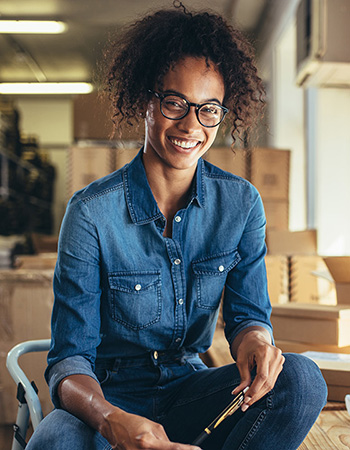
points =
(216, 265)
(134, 281)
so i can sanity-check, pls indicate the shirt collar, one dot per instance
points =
(140, 200)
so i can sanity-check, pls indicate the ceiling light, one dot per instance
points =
(32, 26)
(45, 88)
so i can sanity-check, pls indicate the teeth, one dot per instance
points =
(184, 144)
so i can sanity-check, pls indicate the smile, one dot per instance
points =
(184, 144)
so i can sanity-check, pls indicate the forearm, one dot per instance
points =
(254, 332)
(82, 396)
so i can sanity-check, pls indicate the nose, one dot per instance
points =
(190, 123)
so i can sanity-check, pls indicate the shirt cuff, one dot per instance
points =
(249, 323)
(73, 365)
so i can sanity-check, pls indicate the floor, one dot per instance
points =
(330, 432)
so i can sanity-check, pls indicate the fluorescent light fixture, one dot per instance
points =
(32, 26)
(45, 88)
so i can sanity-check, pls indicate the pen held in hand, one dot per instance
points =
(228, 411)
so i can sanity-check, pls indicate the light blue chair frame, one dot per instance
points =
(29, 404)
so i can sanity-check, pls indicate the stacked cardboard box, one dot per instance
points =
(306, 283)
(335, 368)
(26, 300)
(86, 164)
(309, 278)
(269, 172)
(234, 161)
(124, 155)
(339, 268)
(92, 120)
(317, 318)
(277, 270)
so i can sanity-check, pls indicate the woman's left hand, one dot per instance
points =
(252, 347)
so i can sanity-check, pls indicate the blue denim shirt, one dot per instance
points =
(123, 289)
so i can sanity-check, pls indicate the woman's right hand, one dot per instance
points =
(82, 396)
(131, 432)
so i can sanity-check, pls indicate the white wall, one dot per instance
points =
(51, 120)
(319, 138)
(289, 122)
(286, 101)
(332, 163)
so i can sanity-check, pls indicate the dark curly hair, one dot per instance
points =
(138, 59)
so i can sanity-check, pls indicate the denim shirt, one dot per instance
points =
(123, 289)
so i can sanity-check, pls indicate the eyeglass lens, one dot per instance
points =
(174, 107)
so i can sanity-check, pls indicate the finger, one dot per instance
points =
(246, 378)
(150, 442)
(262, 377)
(267, 373)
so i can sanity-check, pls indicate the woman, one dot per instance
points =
(145, 253)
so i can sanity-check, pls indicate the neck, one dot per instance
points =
(170, 187)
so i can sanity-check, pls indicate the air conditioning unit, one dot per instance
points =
(323, 43)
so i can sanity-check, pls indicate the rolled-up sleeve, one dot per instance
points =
(246, 299)
(72, 365)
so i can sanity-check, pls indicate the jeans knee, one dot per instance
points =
(303, 380)
(61, 431)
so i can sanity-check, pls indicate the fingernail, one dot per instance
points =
(244, 407)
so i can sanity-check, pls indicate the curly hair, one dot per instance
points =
(138, 59)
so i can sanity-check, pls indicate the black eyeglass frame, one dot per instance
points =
(197, 107)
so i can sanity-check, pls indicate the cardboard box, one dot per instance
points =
(269, 172)
(335, 369)
(43, 261)
(219, 353)
(87, 164)
(92, 120)
(312, 324)
(277, 278)
(235, 161)
(277, 214)
(284, 242)
(301, 347)
(92, 117)
(339, 268)
(305, 284)
(124, 155)
(43, 243)
(26, 299)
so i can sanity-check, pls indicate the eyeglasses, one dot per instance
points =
(176, 107)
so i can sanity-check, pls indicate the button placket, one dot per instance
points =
(174, 252)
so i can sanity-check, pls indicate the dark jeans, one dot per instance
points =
(185, 397)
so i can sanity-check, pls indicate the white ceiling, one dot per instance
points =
(72, 56)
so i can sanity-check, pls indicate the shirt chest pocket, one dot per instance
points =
(135, 298)
(210, 275)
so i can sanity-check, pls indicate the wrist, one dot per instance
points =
(112, 417)
(254, 333)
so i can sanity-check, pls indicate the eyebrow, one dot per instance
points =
(209, 100)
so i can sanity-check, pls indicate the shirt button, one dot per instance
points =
(138, 287)
(177, 219)
(177, 261)
(181, 301)
(221, 268)
(155, 354)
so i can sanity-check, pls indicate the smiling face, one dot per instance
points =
(178, 144)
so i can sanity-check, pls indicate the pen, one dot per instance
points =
(228, 411)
